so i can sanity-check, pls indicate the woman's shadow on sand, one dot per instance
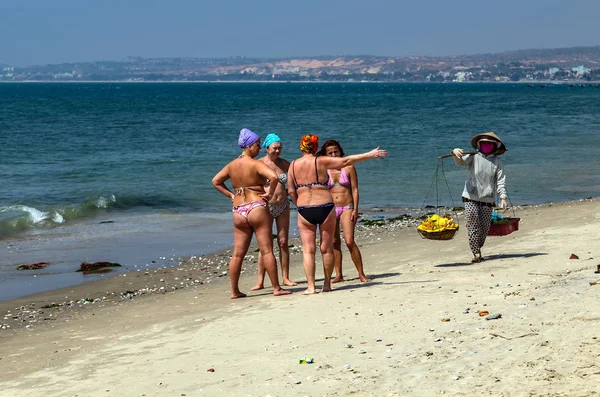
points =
(348, 283)
(491, 258)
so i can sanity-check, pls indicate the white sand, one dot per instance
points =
(164, 345)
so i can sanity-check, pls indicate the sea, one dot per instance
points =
(121, 172)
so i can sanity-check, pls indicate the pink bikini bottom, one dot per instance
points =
(339, 210)
(245, 208)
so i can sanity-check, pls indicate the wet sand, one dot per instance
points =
(415, 330)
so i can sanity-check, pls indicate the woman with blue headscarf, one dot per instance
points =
(250, 212)
(279, 207)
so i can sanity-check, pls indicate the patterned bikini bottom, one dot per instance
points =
(277, 209)
(244, 209)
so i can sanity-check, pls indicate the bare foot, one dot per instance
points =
(309, 291)
(257, 287)
(326, 288)
(281, 291)
(365, 279)
(289, 283)
(235, 295)
(338, 279)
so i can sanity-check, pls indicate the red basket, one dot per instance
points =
(502, 229)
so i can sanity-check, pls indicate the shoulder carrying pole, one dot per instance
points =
(450, 155)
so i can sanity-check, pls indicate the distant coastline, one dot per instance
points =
(521, 82)
(571, 65)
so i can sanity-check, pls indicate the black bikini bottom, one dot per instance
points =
(316, 214)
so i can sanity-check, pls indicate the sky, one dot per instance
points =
(37, 32)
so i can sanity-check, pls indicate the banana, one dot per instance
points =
(436, 223)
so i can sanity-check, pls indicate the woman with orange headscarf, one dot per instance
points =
(309, 190)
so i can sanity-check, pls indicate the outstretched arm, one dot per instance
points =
(337, 163)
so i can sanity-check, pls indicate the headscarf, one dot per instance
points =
(271, 138)
(247, 138)
(309, 143)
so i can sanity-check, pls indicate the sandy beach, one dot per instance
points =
(416, 330)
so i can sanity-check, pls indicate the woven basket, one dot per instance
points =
(443, 235)
(503, 229)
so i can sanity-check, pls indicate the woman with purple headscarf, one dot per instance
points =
(250, 212)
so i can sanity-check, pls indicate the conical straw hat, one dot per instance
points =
(489, 135)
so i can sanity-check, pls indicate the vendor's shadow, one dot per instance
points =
(491, 258)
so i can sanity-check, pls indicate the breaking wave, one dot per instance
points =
(15, 219)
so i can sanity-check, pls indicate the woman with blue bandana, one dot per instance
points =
(250, 212)
(279, 207)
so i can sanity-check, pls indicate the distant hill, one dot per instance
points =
(590, 55)
(561, 64)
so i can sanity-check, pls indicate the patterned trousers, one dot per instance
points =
(478, 219)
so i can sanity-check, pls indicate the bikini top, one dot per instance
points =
(344, 180)
(316, 183)
(282, 179)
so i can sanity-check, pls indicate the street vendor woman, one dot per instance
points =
(485, 178)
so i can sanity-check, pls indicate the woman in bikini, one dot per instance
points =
(343, 185)
(309, 191)
(279, 207)
(250, 213)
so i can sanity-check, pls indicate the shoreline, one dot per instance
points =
(415, 330)
(193, 272)
(122, 241)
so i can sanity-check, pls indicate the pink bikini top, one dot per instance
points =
(344, 180)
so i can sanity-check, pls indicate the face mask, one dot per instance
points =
(487, 147)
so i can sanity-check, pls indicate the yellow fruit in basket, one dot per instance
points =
(424, 225)
(436, 223)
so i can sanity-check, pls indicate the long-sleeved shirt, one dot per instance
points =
(486, 175)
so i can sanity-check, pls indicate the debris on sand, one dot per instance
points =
(32, 266)
(96, 266)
